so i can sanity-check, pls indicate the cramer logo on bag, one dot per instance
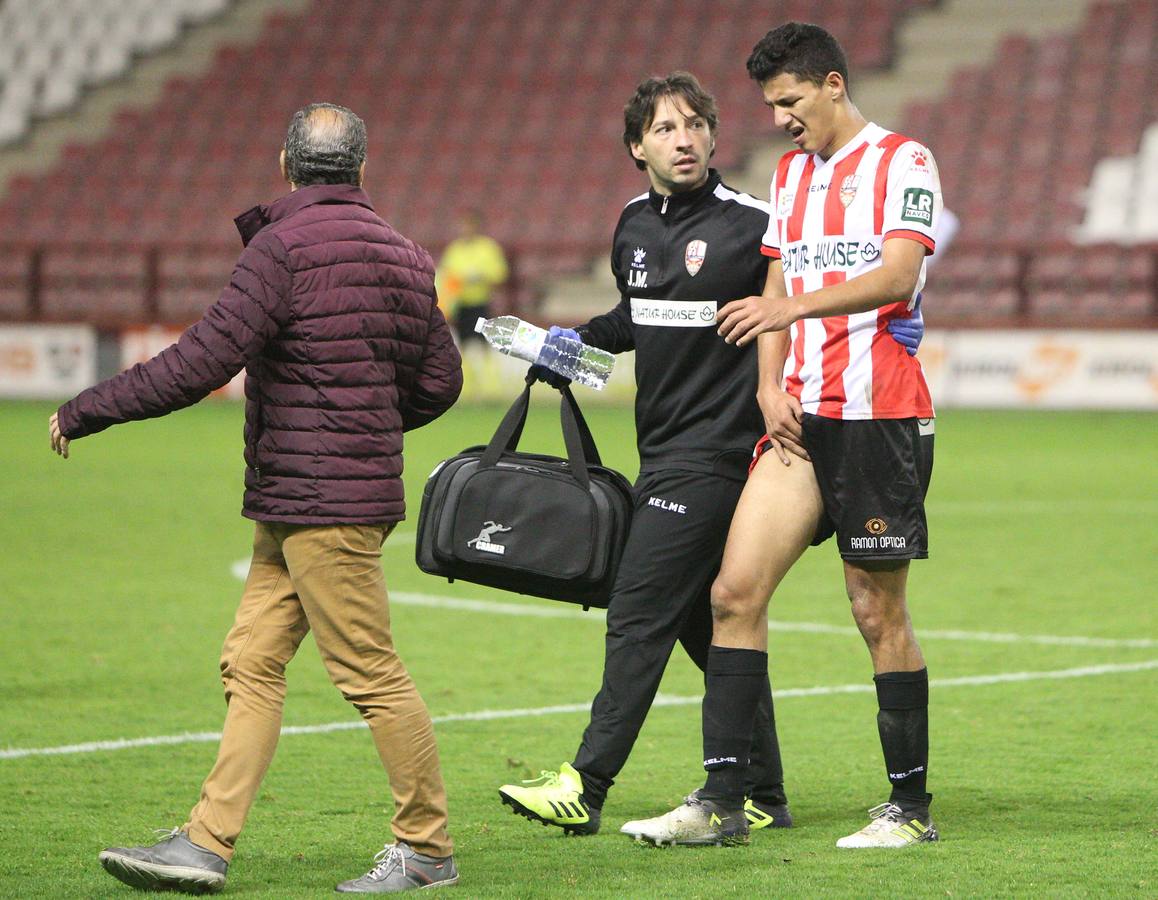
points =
(483, 541)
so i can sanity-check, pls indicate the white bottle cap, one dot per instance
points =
(479, 324)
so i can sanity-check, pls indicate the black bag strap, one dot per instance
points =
(506, 437)
(577, 438)
(590, 451)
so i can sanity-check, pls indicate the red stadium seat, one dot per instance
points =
(532, 136)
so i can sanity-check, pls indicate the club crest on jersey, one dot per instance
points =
(694, 255)
(848, 190)
(784, 203)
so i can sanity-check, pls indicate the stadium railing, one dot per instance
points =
(113, 285)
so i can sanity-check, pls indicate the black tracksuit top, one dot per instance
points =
(680, 258)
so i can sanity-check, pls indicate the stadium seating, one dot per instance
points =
(1017, 142)
(1122, 201)
(513, 107)
(531, 136)
(1106, 283)
(978, 286)
(50, 52)
(1043, 148)
(15, 301)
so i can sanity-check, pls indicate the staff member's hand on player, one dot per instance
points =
(782, 416)
(741, 321)
(59, 441)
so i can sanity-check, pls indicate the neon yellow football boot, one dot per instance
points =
(554, 798)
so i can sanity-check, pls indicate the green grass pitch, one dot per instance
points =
(118, 588)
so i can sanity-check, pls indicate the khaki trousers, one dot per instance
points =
(328, 579)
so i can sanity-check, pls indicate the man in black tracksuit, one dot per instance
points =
(687, 246)
(696, 423)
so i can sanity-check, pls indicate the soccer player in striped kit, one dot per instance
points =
(849, 419)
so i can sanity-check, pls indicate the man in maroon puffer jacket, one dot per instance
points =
(334, 317)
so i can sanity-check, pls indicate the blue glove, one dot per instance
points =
(556, 332)
(909, 332)
(545, 375)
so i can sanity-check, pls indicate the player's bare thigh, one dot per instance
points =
(774, 523)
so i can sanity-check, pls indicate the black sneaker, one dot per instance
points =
(767, 815)
(399, 868)
(174, 863)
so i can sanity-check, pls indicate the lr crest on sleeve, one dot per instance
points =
(694, 255)
(918, 206)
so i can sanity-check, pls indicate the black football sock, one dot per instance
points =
(903, 723)
(734, 679)
(765, 770)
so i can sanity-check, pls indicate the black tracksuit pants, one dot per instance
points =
(661, 595)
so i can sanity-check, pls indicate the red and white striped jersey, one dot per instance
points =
(829, 221)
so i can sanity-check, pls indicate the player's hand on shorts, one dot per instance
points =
(782, 417)
(910, 331)
(742, 321)
(59, 441)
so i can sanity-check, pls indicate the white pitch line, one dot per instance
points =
(569, 611)
(486, 715)
(1071, 506)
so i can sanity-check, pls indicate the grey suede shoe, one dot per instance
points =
(399, 868)
(172, 864)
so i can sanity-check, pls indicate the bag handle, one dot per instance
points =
(577, 437)
(570, 405)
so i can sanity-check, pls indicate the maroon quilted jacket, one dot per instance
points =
(333, 315)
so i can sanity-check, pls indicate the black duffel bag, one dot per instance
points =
(527, 522)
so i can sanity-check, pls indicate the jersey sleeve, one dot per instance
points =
(913, 201)
(770, 243)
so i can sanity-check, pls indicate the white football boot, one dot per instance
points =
(695, 822)
(890, 828)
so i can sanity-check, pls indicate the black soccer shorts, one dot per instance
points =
(873, 476)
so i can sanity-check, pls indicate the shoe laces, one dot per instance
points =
(888, 812)
(165, 833)
(546, 778)
(386, 860)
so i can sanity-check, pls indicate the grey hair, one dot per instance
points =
(326, 144)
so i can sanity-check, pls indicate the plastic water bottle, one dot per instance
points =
(580, 362)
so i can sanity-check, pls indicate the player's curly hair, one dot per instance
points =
(806, 51)
(640, 109)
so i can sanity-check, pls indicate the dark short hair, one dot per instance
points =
(640, 109)
(806, 51)
(326, 144)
